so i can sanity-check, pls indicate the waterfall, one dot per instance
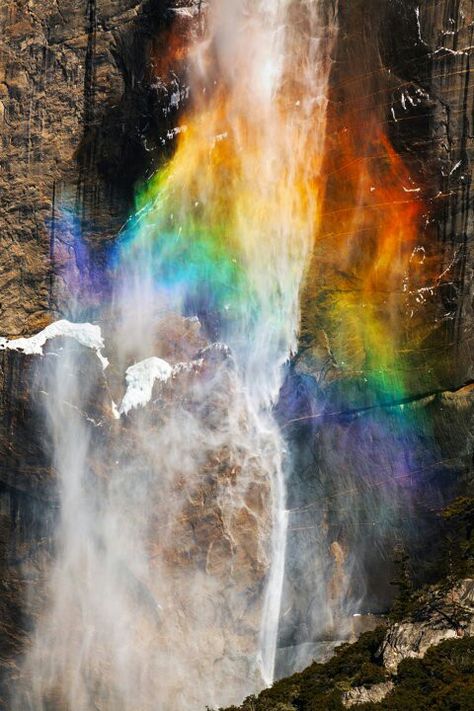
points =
(166, 584)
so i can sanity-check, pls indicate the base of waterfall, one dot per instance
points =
(405, 665)
(295, 658)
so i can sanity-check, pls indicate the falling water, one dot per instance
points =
(166, 587)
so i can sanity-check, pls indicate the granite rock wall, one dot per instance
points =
(379, 401)
(82, 120)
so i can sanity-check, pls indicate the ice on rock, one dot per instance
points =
(140, 379)
(87, 334)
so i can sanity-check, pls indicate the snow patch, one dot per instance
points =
(140, 379)
(141, 376)
(86, 334)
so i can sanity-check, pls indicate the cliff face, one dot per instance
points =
(401, 81)
(380, 428)
(81, 122)
(378, 404)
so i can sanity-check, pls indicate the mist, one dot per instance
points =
(166, 581)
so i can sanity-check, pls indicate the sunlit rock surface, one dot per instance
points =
(448, 616)
(367, 694)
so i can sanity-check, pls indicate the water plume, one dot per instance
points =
(165, 590)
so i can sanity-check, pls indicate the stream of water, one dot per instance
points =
(166, 584)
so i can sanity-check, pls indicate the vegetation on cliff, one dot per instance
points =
(443, 680)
